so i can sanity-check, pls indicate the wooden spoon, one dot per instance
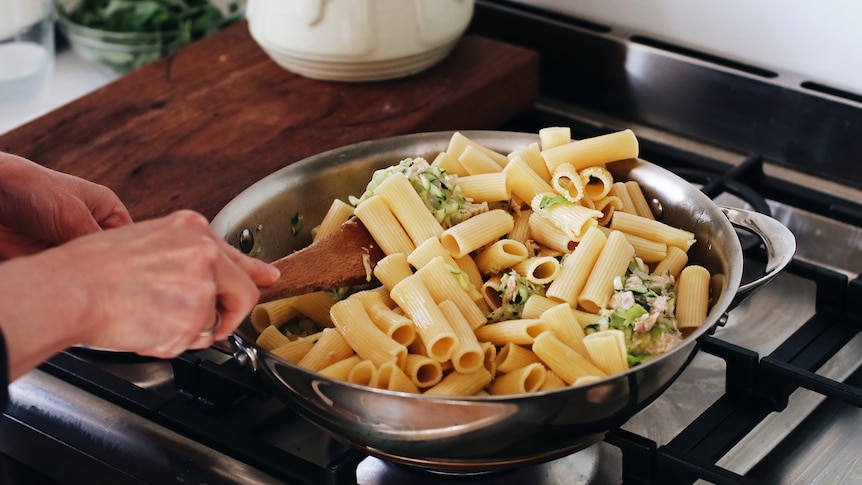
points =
(343, 258)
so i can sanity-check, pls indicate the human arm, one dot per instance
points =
(149, 288)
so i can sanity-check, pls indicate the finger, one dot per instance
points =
(236, 292)
(75, 220)
(262, 273)
(107, 209)
(117, 218)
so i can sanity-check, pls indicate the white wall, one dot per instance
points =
(803, 40)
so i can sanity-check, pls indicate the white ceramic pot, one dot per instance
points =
(357, 40)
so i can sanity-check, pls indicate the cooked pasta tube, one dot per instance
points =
(490, 353)
(491, 292)
(652, 229)
(398, 327)
(586, 318)
(476, 161)
(673, 262)
(568, 182)
(562, 359)
(389, 376)
(499, 255)
(512, 356)
(428, 250)
(315, 306)
(597, 150)
(532, 156)
(477, 231)
(275, 313)
(384, 226)
(458, 142)
(408, 207)
(573, 219)
(586, 380)
(392, 269)
(649, 250)
(552, 136)
(474, 276)
(564, 323)
(328, 349)
(524, 182)
(597, 182)
(449, 163)
(519, 381)
(362, 373)
(364, 337)
(485, 187)
(619, 190)
(547, 234)
(520, 331)
(642, 207)
(612, 262)
(468, 354)
(416, 301)
(692, 296)
(607, 206)
(540, 270)
(553, 381)
(536, 305)
(443, 283)
(341, 369)
(576, 268)
(271, 337)
(337, 214)
(293, 351)
(521, 229)
(607, 349)
(458, 384)
(423, 370)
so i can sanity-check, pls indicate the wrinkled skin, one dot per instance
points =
(76, 270)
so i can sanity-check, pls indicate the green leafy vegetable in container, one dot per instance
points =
(127, 34)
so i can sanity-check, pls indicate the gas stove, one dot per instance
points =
(773, 395)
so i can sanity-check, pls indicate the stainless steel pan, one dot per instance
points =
(477, 433)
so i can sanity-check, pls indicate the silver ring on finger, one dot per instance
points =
(209, 332)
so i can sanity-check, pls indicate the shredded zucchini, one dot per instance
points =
(438, 189)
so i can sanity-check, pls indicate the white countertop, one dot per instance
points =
(71, 78)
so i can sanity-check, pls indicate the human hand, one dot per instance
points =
(41, 208)
(150, 288)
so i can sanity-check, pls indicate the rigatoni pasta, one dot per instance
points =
(519, 276)
(611, 264)
(354, 324)
(692, 296)
(339, 212)
(384, 226)
(408, 208)
(476, 232)
(595, 151)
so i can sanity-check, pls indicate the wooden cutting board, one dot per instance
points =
(195, 128)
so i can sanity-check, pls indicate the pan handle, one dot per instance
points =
(235, 346)
(779, 241)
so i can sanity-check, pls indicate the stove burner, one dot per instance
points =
(580, 467)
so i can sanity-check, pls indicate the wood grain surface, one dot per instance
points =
(197, 127)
